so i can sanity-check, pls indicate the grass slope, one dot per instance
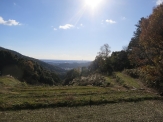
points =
(31, 97)
(128, 81)
(9, 81)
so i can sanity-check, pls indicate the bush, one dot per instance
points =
(134, 73)
(148, 75)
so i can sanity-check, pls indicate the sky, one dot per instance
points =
(69, 29)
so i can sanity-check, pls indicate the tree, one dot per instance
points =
(119, 60)
(151, 39)
(104, 51)
(70, 76)
(136, 53)
(102, 57)
(102, 62)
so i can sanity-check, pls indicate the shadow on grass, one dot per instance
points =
(74, 103)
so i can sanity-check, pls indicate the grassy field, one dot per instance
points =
(15, 95)
(144, 111)
(129, 101)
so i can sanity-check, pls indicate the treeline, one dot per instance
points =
(26, 70)
(143, 57)
(104, 63)
(146, 49)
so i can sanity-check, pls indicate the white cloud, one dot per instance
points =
(110, 21)
(67, 26)
(55, 29)
(158, 2)
(81, 25)
(10, 22)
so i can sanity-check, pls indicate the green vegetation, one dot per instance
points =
(41, 63)
(9, 81)
(30, 97)
(26, 69)
(127, 81)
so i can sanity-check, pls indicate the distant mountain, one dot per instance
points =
(64, 61)
(68, 64)
(30, 70)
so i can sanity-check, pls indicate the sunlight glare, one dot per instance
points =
(92, 3)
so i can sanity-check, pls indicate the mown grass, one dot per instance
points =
(143, 111)
(32, 97)
(127, 81)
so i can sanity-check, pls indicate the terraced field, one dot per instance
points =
(16, 95)
(84, 103)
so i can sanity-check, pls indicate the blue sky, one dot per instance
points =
(69, 29)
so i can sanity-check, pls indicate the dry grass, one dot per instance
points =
(144, 111)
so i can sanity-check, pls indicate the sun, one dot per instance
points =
(92, 3)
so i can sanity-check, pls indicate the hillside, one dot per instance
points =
(41, 63)
(28, 69)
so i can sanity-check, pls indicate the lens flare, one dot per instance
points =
(92, 3)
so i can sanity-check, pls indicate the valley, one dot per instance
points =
(68, 64)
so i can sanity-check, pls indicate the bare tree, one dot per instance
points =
(125, 48)
(104, 51)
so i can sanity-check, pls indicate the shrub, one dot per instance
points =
(135, 73)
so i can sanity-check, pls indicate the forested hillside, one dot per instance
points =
(28, 69)
(146, 49)
(42, 63)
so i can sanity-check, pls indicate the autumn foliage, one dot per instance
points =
(146, 48)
